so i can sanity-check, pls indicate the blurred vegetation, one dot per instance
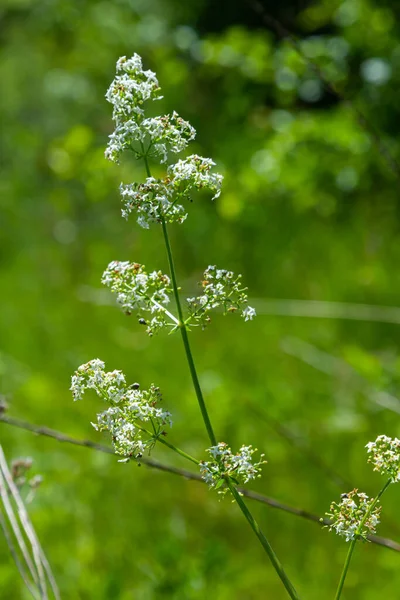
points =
(309, 211)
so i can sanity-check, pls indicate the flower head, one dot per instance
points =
(158, 199)
(226, 466)
(131, 89)
(385, 456)
(348, 515)
(129, 407)
(194, 173)
(157, 135)
(139, 291)
(220, 288)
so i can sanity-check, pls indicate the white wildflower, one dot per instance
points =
(129, 408)
(138, 291)
(347, 516)
(385, 456)
(132, 88)
(220, 288)
(195, 173)
(158, 199)
(249, 313)
(226, 466)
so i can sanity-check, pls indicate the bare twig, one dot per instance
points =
(9, 491)
(62, 437)
(16, 528)
(23, 516)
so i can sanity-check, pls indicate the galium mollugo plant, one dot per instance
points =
(356, 516)
(133, 418)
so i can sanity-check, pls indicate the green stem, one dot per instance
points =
(178, 451)
(164, 441)
(265, 543)
(182, 326)
(354, 541)
(183, 329)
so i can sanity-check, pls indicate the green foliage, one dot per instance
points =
(309, 210)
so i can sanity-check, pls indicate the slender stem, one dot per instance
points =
(14, 554)
(24, 518)
(161, 307)
(182, 326)
(265, 543)
(354, 540)
(164, 441)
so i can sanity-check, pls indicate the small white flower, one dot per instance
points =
(158, 199)
(128, 407)
(159, 135)
(220, 288)
(140, 292)
(347, 516)
(249, 313)
(227, 466)
(385, 456)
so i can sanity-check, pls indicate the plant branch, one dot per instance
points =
(182, 325)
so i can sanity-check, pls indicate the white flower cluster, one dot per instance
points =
(194, 173)
(385, 456)
(220, 288)
(349, 513)
(160, 198)
(226, 466)
(157, 136)
(129, 407)
(141, 292)
(131, 88)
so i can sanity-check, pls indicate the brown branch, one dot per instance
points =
(154, 464)
(272, 23)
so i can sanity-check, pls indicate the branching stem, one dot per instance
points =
(183, 329)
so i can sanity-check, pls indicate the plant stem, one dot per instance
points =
(174, 448)
(183, 329)
(354, 541)
(265, 543)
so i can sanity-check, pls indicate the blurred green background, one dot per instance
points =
(309, 212)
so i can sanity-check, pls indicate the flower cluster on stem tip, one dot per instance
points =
(348, 516)
(385, 456)
(129, 408)
(220, 288)
(226, 466)
(141, 292)
(155, 136)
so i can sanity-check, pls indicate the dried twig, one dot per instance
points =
(39, 568)
(62, 437)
